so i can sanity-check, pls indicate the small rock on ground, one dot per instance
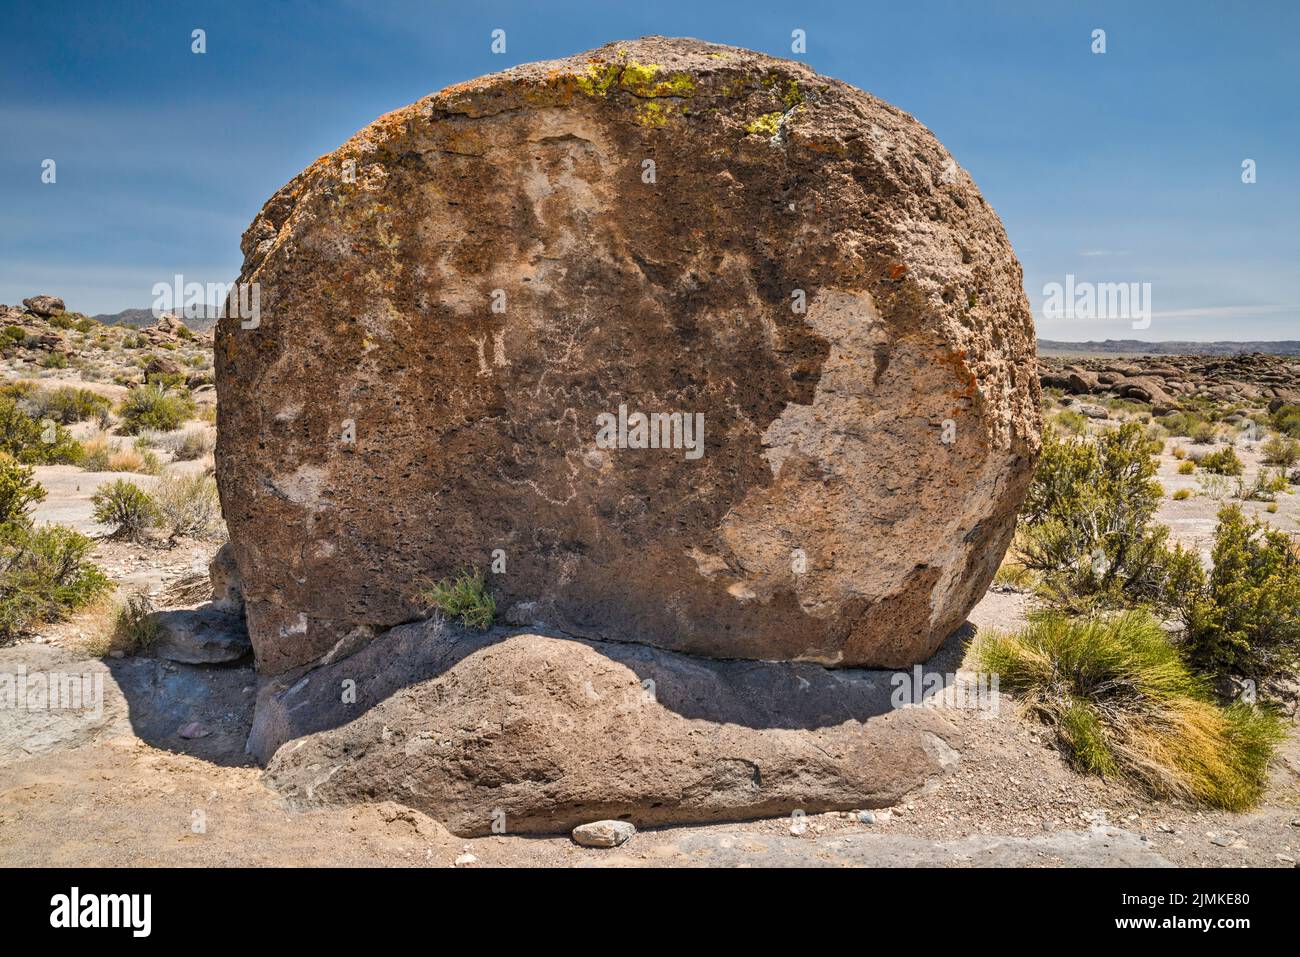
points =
(603, 833)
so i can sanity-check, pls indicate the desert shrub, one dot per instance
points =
(1223, 462)
(1181, 423)
(1213, 485)
(18, 489)
(96, 455)
(67, 405)
(1072, 422)
(1265, 488)
(1203, 433)
(1282, 451)
(1186, 468)
(33, 441)
(55, 360)
(188, 505)
(1087, 529)
(465, 597)
(13, 334)
(149, 407)
(191, 444)
(1182, 495)
(1122, 702)
(129, 509)
(1287, 420)
(1243, 617)
(45, 574)
(134, 627)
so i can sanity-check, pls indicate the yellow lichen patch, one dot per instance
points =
(636, 78)
(653, 114)
(598, 79)
(638, 75)
(765, 125)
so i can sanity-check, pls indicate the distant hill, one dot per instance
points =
(1136, 347)
(196, 318)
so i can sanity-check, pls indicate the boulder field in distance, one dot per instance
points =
(807, 268)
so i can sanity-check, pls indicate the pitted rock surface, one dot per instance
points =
(450, 300)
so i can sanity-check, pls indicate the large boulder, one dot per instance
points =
(464, 313)
(45, 306)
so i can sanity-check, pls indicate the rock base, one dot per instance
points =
(537, 733)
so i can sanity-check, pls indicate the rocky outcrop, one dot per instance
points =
(470, 310)
(1165, 382)
(44, 306)
(540, 734)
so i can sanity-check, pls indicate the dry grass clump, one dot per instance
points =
(1123, 702)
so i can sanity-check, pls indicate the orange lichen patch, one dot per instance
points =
(897, 271)
(956, 361)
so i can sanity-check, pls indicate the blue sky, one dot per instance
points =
(1115, 167)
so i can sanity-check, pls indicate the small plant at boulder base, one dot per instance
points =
(465, 597)
(1123, 703)
(45, 575)
(1241, 619)
(18, 489)
(1223, 462)
(134, 627)
(149, 407)
(126, 507)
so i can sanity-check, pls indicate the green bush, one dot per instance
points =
(18, 489)
(466, 597)
(149, 407)
(1243, 617)
(1287, 420)
(1122, 702)
(67, 405)
(45, 574)
(1281, 451)
(129, 509)
(32, 441)
(1223, 462)
(1086, 521)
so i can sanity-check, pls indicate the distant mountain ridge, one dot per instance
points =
(198, 318)
(1172, 347)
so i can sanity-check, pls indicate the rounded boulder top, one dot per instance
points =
(670, 342)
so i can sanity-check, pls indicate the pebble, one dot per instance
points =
(603, 833)
(866, 817)
(465, 860)
(194, 729)
(1223, 840)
